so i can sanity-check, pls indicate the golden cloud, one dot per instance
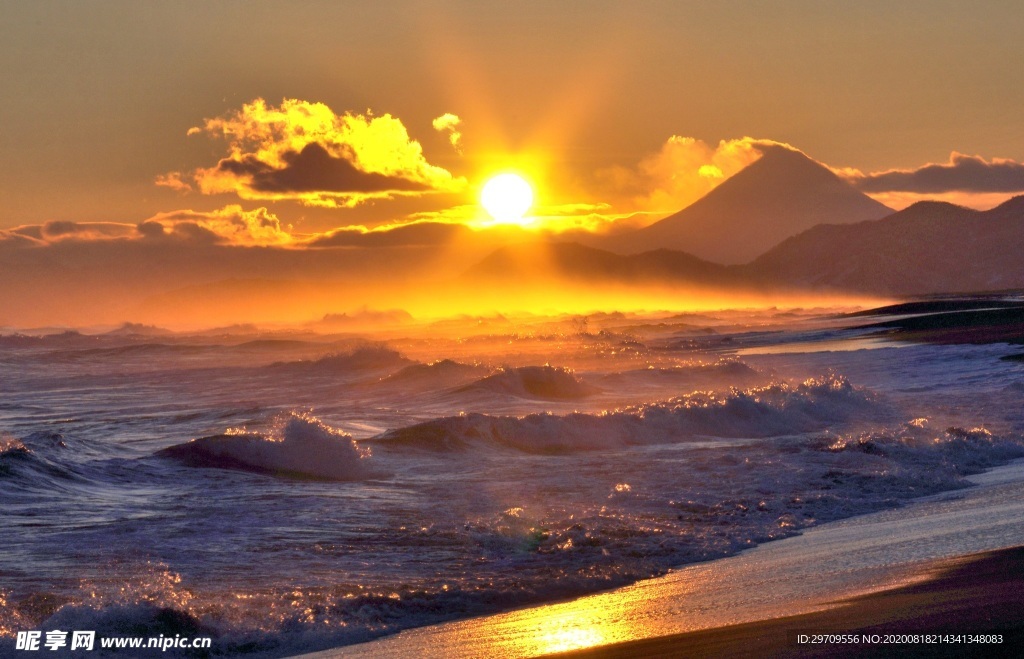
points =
(56, 231)
(682, 171)
(231, 225)
(303, 151)
(228, 225)
(546, 218)
(173, 181)
(449, 123)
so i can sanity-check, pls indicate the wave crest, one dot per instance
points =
(544, 382)
(362, 359)
(300, 446)
(777, 409)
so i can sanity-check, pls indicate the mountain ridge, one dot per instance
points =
(927, 248)
(781, 194)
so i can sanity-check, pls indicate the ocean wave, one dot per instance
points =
(777, 409)
(128, 351)
(11, 446)
(24, 458)
(723, 500)
(442, 373)
(299, 446)
(722, 373)
(541, 382)
(358, 361)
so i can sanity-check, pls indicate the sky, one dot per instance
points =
(140, 142)
(123, 111)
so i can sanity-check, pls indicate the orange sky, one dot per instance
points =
(123, 113)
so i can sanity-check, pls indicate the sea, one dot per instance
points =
(284, 491)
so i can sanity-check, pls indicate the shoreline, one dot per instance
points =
(961, 609)
(815, 573)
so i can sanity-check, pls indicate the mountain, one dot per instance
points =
(537, 261)
(925, 248)
(778, 196)
(930, 247)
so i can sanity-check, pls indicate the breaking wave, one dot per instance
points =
(543, 382)
(300, 446)
(719, 504)
(777, 409)
(359, 361)
(442, 373)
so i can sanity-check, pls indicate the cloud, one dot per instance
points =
(173, 181)
(313, 170)
(682, 171)
(229, 225)
(449, 123)
(56, 231)
(963, 173)
(305, 152)
(19, 237)
(405, 235)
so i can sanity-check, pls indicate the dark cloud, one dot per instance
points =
(57, 228)
(314, 170)
(150, 229)
(20, 237)
(32, 231)
(418, 234)
(961, 174)
(179, 231)
(191, 231)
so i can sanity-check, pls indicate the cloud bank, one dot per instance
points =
(231, 225)
(965, 180)
(963, 173)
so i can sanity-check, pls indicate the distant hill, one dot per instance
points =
(778, 196)
(574, 261)
(925, 248)
(930, 247)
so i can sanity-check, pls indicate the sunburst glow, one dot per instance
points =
(507, 198)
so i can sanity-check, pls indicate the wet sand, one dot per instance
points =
(969, 606)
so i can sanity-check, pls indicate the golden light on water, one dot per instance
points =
(507, 198)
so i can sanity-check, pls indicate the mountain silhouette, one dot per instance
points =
(928, 247)
(781, 194)
(574, 261)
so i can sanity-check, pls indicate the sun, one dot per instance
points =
(507, 197)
